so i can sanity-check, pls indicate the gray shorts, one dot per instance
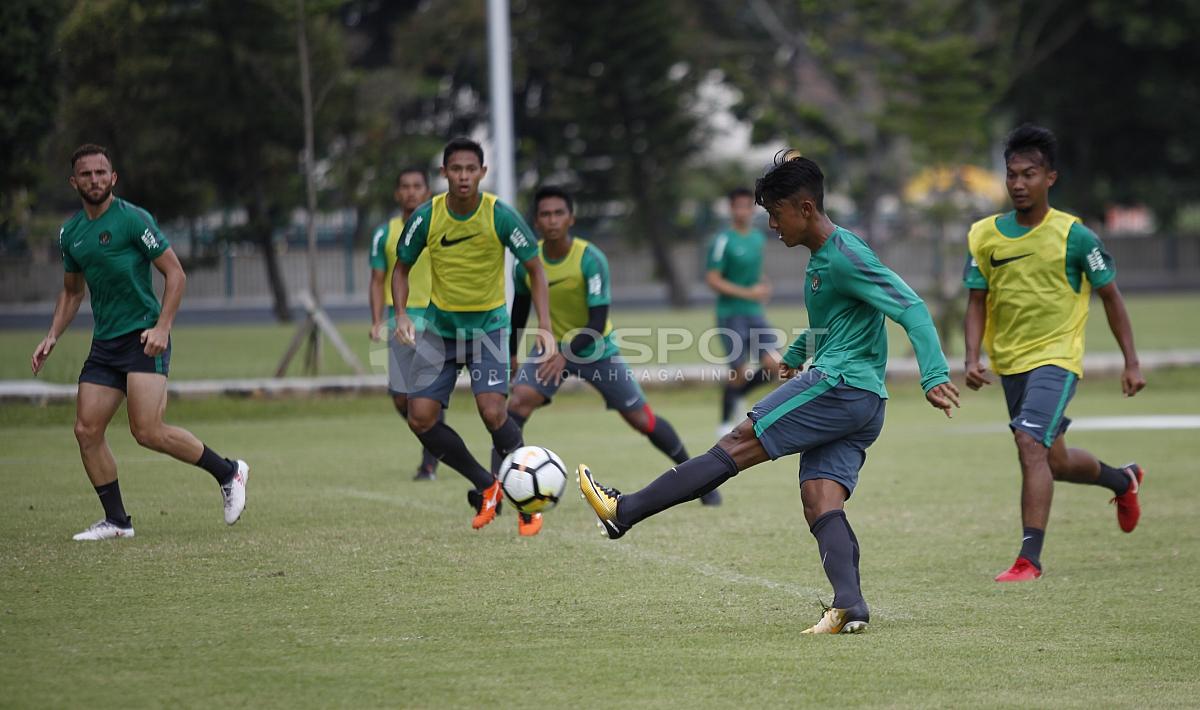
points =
(437, 360)
(400, 362)
(610, 376)
(1037, 401)
(827, 422)
(747, 337)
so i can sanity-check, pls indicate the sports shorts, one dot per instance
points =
(746, 338)
(110, 361)
(827, 422)
(436, 361)
(1037, 401)
(610, 376)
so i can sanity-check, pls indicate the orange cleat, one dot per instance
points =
(529, 525)
(1022, 571)
(489, 503)
(1129, 510)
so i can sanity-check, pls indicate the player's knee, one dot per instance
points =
(420, 422)
(148, 436)
(88, 433)
(522, 403)
(1029, 449)
(401, 403)
(738, 436)
(493, 416)
(638, 419)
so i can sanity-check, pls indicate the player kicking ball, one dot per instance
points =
(829, 414)
(580, 296)
(1030, 273)
(110, 245)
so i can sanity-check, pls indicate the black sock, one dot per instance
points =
(729, 398)
(1031, 545)
(221, 469)
(114, 507)
(497, 457)
(428, 460)
(666, 439)
(760, 377)
(505, 440)
(1115, 479)
(448, 446)
(685, 482)
(839, 557)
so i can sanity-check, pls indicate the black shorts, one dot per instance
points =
(110, 361)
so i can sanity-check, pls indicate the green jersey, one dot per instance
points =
(466, 255)
(848, 293)
(577, 282)
(738, 258)
(114, 252)
(1086, 256)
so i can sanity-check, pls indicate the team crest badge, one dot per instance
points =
(105, 238)
(816, 282)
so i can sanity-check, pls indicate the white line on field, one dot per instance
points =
(1144, 422)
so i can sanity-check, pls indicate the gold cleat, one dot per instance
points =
(603, 501)
(841, 621)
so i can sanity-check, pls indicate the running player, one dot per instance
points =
(466, 324)
(1029, 274)
(829, 414)
(110, 245)
(412, 188)
(735, 273)
(577, 273)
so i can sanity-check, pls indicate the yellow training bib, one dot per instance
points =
(466, 257)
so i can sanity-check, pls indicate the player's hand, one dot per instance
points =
(42, 352)
(977, 375)
(551, 368)
(155, 341)
(1132, 381)
(406, 332)
(378, 331)
(761, 291)
(944, 397)
(787, 373)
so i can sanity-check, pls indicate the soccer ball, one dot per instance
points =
(533, 478)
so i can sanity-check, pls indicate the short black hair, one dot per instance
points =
(89, 149)
(791, 175)
(740, 192)
(1028, 138)
(410, 170)
(461, 143)
(546, 191)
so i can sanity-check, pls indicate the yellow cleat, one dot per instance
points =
(841, 621)
(603, 501)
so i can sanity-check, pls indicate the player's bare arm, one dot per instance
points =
(1132, 380)
(375, 297)
(65, 308)
(760, 291)
(973, 324)
(156, 339)
(541, 303)
(406, 332)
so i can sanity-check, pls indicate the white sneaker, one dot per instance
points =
(104, 530)
(234, 493)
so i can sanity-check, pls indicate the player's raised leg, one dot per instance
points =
(1080, 466)
(147, 394)
(425, 420)
(95, 406)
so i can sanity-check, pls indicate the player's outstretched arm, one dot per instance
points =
(973, 325)
(1132, 381)
(65, 308)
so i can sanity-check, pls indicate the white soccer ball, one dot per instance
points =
(533, 478)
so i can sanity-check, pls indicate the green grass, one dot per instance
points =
(348, 584)
(222, 351)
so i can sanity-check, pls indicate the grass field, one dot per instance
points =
(347, 584)
(223, 351)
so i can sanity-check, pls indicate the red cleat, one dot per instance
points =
(529, 525)
(1022, 571)
(1129, 510)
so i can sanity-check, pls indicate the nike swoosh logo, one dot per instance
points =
(1026, 422)
(447, 242)
(493, 381)
(631, 402)
(1001, 262)
(77, 243)
(552, 283)
(611, 524)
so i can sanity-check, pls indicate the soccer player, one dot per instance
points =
(110, 245)
(829, 414)
(412, 188)
(1029, 274)
(466, 324)
(735, 273)
(577, 273)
